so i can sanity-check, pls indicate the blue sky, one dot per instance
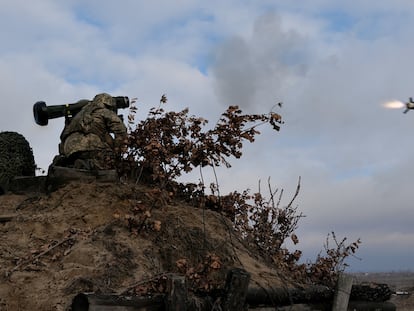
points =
(332, 63)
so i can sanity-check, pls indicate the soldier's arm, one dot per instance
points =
(116, 126)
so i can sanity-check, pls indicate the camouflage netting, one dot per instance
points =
(16, 158)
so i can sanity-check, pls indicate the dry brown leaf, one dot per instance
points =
(181, 263)
(157, 225)
(294, 238)
(215, 264)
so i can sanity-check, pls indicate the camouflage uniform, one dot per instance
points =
(86, 141)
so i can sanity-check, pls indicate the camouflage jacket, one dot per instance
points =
(90, 130)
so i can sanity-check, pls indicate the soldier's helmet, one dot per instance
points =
(105, 99)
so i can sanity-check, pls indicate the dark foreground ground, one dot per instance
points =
(400, 282)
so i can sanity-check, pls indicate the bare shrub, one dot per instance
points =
(167, 144)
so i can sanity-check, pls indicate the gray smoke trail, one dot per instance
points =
(247, 68)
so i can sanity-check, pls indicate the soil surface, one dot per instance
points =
(112, 238)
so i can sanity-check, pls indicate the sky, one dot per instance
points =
(332, 63)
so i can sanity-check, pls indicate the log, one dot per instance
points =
(287, 296)
(374, 292)
(27, 184)
(237, 283)
(65, 174)
(371, 306)
(237, 296)
(176, 293)
(4, 184)
(95, 302)
(6, 218)
(342, 293)
(353, 305)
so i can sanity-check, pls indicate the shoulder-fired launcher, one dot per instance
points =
(43, 113)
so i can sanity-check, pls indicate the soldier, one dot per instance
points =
(87, 143)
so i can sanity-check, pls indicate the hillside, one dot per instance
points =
(112, 238)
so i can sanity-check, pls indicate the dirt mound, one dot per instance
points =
(108, 238)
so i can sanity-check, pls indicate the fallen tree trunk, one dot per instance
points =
(236, 290)
(95, 302)
(6, 218)
(236, 296)
(374, 292)
(285, 296)
(342, 292)
(365, 294)
(371, 306)
(255, 298)
(327, 306)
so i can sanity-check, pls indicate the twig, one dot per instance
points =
(133, 285)
(39, 255)
(60, 201)
(27, 201)
(221, 214)
(280, 198)
(153, 203)
(296, 193)
(204, 209)
(272, 193)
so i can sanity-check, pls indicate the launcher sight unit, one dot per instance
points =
(43, 113)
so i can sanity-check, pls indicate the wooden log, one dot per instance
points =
(95, 302)
(375, 292)
(371, 306)
(315, 294)
(236, 287)
(176, 293)
(287, 296)
(68, 174)
(6, 218)
(342, 293)
(237, 296)
(298, 307)
(27, 184)
(4, 183)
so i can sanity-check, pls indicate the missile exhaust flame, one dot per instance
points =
(394, 104)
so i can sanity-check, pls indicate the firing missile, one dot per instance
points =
(409, 105)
